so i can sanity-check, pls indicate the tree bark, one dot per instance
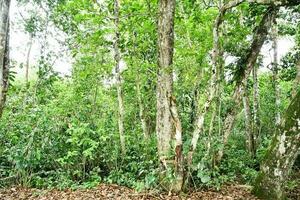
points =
(281, 155)
(141, 109)
(256, 119)
(4, 51)
(28, 60)
(167, 116)
(248, 61)
(275, 74)
(248, 122)
(121, 111)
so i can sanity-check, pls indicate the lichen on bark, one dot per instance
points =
(281, 155)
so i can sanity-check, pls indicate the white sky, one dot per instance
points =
(19, 41)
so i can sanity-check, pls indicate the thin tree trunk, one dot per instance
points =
(121, 111)
(249, 61)
(218, 22)
(281, 155)
(167, 116)
(144, 124)
(28, 60)
(248, 122)
(211, 90)
(275, 74)
(141, 109)
(4, 51)
(217, 100)
(256, 119)
(211, 128)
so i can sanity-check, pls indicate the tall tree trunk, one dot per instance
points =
(141, 109)
(167, 116)
(248, 122)
(248, 61)
(142, 116)
(28, 60)
(281, 155)
(121, 111)
(4, 51)
(217, 102)
(275, 74)
(256, 119)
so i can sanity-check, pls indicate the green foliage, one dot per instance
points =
(63, 132)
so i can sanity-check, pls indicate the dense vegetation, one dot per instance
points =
(161, 96)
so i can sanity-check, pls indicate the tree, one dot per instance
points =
(117, 57)
(248, 121)
(248, 62)
(281, 155)
(256, 115)
(4, 51)
(275, 73)
(167, 116)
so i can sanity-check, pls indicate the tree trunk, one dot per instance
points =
(28, 60)
(142, 113)
(256, 119)
(167, 116)
(4, 51)
(248, 61)
(121, 111)
(275, 75)
(281, 155)
(211, 90)
(141, 109)
(248, 122)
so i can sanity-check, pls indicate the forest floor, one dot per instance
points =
(115, 192)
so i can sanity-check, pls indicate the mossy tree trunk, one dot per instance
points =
(281, 155)
(4, 51)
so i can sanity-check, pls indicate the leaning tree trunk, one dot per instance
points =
(281, 155)
(167, 116)
(121, 111)
(259, 37)
(199, 123)
(4, 51)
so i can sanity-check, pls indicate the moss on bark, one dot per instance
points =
(281, 155)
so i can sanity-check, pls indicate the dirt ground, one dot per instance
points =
(115, 192)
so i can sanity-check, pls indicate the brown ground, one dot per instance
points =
(114, 192)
